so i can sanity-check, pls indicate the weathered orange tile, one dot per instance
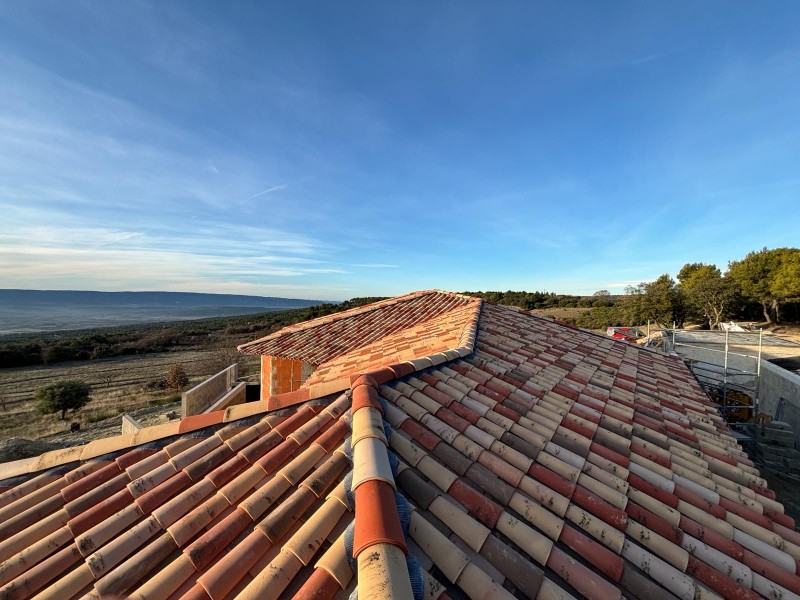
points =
(200, 421)
(20, 541)
(225, 575)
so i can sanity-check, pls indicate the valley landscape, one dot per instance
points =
(126, 365)
(126, 359)
(32, 311)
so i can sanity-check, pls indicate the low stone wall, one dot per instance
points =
(130, 425)
(198, 399)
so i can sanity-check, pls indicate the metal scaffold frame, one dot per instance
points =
(730, 376)
(721, 381)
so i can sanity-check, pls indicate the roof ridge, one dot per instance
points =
(347, 314)
(555, 321)
(417, 342)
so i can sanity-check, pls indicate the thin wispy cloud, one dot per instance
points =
(376, 266)
(621, 286)
(643, 60)
(172, 148)
(269, 190)
(153, 269)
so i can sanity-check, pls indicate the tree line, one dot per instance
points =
(543, 300)
(765, 283)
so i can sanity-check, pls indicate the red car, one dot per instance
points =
(629, 334)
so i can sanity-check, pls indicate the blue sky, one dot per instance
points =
(332, 150)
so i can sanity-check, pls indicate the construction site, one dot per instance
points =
(754, 379)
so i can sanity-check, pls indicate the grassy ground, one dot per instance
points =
(119, 385)
(790, 331)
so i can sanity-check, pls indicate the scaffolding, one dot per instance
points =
(729, 365)
(734, 390)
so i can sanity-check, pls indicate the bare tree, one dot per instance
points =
(220, 356)
(107, 378)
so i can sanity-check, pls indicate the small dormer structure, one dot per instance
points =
(322, 355)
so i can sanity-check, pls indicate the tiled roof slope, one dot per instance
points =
(327, 338)
(602, 464)
(548, 463)
(449, 331)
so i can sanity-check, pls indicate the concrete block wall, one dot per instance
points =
(199, 398)
(237, 395)
(775, 383)
(130, 425)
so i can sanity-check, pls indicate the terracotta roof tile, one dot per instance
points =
(540, 461)
(337, 335)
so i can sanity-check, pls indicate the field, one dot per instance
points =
(119, 385)
(131, 376)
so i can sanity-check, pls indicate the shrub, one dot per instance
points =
(602, 303)
(69, 394)
(601, 317)
(177, 377)
(154, 385)
(20, 355)
(58, 353)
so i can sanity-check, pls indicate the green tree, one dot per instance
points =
(769, 277)
(660, 301)
(708, 292)
(785, 285)
(68, 394)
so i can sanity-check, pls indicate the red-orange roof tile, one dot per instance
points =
(325, 338)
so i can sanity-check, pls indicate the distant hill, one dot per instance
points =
(30, 311)
(159, 299)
